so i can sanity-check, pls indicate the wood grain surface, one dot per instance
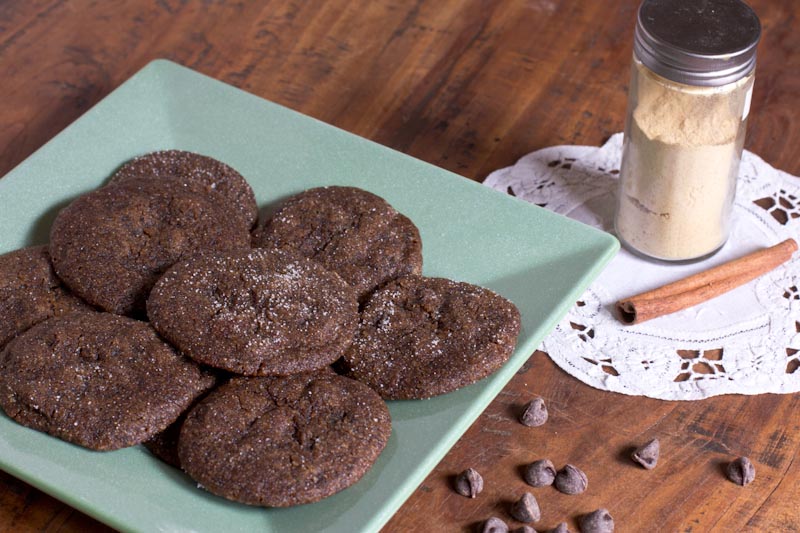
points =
(471, 86)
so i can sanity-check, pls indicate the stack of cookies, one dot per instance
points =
(162, 314)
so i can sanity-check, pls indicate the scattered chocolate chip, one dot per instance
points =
(540, 473)
(598, 521)
(535, 413)
(524, 529)
(526, 509)
(741, 471)
(647, 455)
(560, 528)
(494, 525)
(571, 480)
(469, 483)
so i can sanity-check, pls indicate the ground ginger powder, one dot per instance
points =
(678, 175)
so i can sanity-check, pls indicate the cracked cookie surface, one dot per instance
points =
(199, 173)
(280, 441)
(353, 232)
(98, 380)
(255, 312)
(420, 337)
(30, 292)
(111, 245)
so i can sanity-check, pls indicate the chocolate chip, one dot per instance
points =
(560, 528)
(571, 480)
(469, 483)
(647, 455)
(741, 471)
(535, 413)
(524, 529)
(540, 473)
(526, 509)
(494, 525)
(598, 521)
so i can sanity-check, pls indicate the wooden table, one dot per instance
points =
(469, 86)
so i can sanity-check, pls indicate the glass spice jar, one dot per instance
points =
(688, 101)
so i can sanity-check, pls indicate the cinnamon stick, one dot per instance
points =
(704, 285)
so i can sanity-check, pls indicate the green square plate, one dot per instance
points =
(541, 261)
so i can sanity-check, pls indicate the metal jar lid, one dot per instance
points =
(697, 42)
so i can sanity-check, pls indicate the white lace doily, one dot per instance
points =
(746, 341)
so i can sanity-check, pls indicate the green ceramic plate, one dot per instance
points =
(540, 261)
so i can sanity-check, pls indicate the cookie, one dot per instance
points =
(30, 292)
(199, 173)
(164, 445)
(350, 231)
(280, 441)
(111, 245)
(98, 380)
(256, 312)
(420, 337)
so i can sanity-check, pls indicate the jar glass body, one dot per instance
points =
(681, 154)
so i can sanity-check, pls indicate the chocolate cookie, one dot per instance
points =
(30, 292)
(257, 312)
(111, 245)
(98, 380)
(164, 445)
(350, 231)
(281, 441)
(420, 337)
(199, 173)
